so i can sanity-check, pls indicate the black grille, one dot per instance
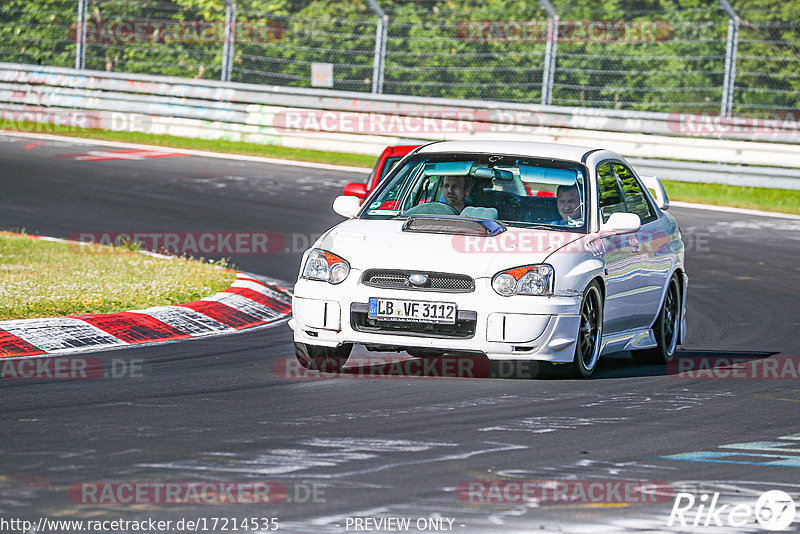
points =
(453, 225)
(464, 326)
(396, 279)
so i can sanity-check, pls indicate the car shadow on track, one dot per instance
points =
(686, 364)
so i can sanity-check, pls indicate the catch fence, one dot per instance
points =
(712, 57)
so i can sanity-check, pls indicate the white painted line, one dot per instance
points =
(60, 334)
(200, 153)
(281, 297)
(186, 320)
(244, 284)
(740, 211)
(123, 345)
(245, 305)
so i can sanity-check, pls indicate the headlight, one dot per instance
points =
(322, 265)
(527, 280)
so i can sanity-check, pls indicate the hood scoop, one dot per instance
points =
(454, 225)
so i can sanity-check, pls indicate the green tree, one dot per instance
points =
(39, 33)
(480, 49)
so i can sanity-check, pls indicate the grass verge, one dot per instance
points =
(754, 198)
(52, 279)
(758, 198)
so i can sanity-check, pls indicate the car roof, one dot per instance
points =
(519, 148)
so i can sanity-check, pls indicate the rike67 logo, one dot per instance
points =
(774, 510)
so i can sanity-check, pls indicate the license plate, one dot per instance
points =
(417, 311)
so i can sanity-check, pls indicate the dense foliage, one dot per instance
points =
(659, 55)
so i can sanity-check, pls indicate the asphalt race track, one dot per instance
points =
(219, 410)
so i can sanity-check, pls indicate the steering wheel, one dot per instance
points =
(432, 208)
(455, 211)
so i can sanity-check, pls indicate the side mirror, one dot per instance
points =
(355, 189)
(621, 223)
(346, 206)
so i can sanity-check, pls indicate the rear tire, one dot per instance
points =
(324, 359)
(590, 332)
(666, 328)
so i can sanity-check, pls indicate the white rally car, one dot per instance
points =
(513, 250)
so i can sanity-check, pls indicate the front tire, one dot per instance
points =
(590, 332)
(666, 328)
(324, 359)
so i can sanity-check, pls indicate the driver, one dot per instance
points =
(568, 202)
(456, 189)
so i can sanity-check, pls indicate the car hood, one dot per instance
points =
(368, 244)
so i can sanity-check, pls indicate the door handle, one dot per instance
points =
(635, 246)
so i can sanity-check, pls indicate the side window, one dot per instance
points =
(634, 197)
(421, 192)
(390, 197)
(388, 166)
(610, 195)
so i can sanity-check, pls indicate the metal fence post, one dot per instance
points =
(379, 64)
(80, 36)
(549, 68)
(229, 40)
(729, 82)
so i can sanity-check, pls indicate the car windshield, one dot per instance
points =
(515, 190)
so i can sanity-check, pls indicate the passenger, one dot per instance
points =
(456, 189)
(568, 202)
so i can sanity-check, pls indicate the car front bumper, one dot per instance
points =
(512, 328)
